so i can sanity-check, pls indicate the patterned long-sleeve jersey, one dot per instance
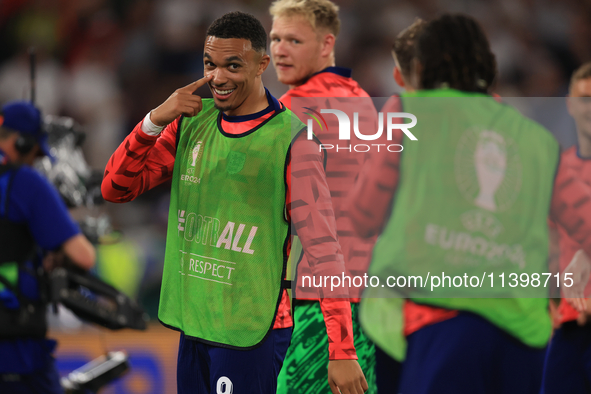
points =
(568, 246)
(142, 162)
(333, 88)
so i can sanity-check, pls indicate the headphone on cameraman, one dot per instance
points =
(24, 143)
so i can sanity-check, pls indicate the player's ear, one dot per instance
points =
(263, 64)
(398, 77)
(328, 42)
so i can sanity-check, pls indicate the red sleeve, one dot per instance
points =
(370, 200)
(571, 206)
(140, 163)
(311, 213)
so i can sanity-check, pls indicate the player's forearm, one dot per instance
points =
(140, 163)
(325, 260)
(80, 251)
(125, 172)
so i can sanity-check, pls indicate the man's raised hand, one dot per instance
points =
(181, 102)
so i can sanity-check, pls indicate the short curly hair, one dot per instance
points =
(454, 52)
(404, 46)
(240, 25)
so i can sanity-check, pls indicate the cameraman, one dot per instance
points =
(36, 233)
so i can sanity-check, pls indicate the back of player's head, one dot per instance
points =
(583, 72)
(240, 25)
(403, 48)
(321, 14)
(453, 51)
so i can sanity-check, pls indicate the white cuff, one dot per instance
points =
(150, 128)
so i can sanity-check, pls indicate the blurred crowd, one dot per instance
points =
(106, 63)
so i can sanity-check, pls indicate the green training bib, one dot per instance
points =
(473, 198)
(227, 233)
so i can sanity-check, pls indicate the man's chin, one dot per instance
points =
(287, 79)
(221, 106)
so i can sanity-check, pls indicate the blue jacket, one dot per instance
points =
(34, 202)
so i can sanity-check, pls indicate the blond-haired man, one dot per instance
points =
(303, 38)
(568, 361)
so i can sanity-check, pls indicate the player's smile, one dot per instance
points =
(222, 93)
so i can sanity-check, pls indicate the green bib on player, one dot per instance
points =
(227, 233)
(473, 198)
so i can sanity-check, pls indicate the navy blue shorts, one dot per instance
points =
(568, 360)
(387, 372)
(206, 369)
(468, 355)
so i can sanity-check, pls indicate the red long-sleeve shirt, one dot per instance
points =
(333, 87)
(568, 246)
(142, 162)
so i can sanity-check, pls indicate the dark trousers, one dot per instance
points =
(468, 355)
(206, 369)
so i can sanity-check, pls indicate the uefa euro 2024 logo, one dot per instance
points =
(488, 169)
(196, 153)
